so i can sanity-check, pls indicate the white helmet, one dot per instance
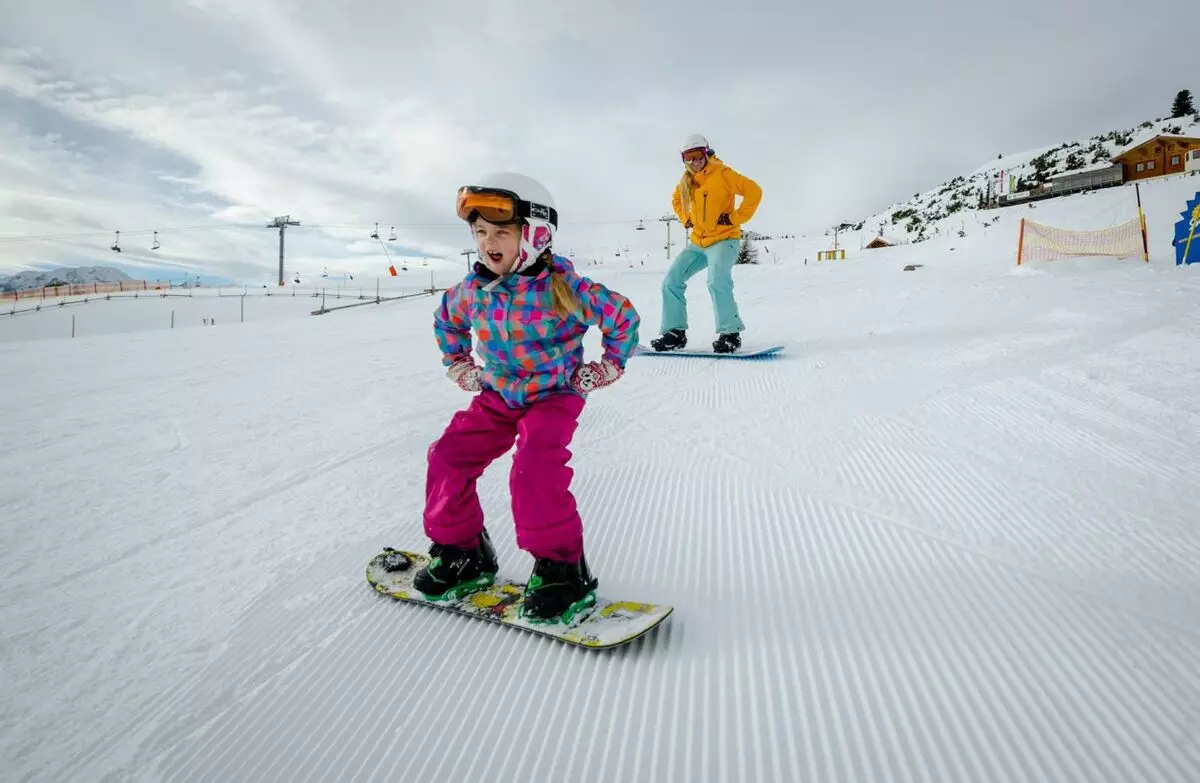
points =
(535, 208)
(694, 141)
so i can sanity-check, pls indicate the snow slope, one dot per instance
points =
(952, 535)
(951, 205)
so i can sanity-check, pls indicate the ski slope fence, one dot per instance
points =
(59, 296)
(83, 289)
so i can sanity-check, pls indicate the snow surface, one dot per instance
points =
(953, 534)
(940, 210)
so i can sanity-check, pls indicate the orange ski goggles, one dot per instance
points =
(494, 206)
(499, 206)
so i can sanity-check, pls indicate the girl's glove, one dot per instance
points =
(595, 375)
(465, 373)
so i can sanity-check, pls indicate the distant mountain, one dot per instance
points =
(919, 217)
(62, 276)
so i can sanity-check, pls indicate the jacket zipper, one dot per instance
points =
(504, 322)
(704, 208)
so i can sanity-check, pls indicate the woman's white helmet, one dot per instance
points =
(539, 213)
(694, 142)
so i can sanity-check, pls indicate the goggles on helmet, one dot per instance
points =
(496, 205)
(696, 153)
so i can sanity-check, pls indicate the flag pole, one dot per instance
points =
(1142, 219)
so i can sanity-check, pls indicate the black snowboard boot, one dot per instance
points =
(454, 573)
(559, 592)
(671, 340)
(727, 343)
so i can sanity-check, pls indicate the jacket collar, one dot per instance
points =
(713, 168)
(491, 280)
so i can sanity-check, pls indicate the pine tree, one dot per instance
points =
(1183, 104)
(747, 252)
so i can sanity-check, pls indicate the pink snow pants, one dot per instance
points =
(547, 521)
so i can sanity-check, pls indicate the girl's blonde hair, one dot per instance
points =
(565, 302)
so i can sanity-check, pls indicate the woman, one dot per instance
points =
(703, 202)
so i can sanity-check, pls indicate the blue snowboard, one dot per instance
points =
(742, 353)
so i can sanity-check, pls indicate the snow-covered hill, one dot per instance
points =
(950, 535)
(953, 206)
(63, 276)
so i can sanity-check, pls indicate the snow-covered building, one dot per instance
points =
(1158, 155)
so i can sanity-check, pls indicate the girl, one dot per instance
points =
(530, 310)
(703, 202)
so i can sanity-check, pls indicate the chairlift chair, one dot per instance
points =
(116, 245)
(392, 236)
(640, 226)
(375, 233)
(155, 246)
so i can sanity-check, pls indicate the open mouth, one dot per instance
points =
(495, 258)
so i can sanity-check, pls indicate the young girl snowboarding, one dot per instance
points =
(530, 310)
(703, 202)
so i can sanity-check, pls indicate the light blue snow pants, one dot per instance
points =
(719, 259)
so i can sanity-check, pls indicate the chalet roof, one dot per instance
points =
(1157, 137)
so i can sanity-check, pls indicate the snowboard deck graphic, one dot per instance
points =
(741, 353)
(610, 624)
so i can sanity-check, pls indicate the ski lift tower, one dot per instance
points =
(282, 223)
(667, 219)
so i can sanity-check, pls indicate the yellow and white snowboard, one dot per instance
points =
(609, 624)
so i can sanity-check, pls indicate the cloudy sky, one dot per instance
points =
(205, 118)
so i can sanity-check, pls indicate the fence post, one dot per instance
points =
(172, 319)
(72, 326)
(243, 309)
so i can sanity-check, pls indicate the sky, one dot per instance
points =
(204, 119)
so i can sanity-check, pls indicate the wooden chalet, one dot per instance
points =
(1157, 156)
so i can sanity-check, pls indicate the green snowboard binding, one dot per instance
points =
(562, 593)
(454, 573)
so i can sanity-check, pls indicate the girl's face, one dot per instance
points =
(499, 245)
(695, 159)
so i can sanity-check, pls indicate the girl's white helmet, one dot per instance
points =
(537, 209)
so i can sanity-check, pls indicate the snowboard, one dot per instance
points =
(742, 353)
(609, 624)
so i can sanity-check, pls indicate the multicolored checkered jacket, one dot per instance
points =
(528, 350)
